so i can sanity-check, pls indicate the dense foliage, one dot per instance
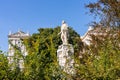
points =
(41, 62)
(3, 66)
(101, 60)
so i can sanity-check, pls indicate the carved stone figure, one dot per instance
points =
(65, 52)
(64, 32)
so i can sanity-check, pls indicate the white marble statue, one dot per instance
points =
(64, 32)
(65, 52)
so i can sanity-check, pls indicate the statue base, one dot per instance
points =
(65, 56)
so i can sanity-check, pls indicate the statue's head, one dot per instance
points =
(63, 22)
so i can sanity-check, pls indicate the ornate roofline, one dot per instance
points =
(19, 34)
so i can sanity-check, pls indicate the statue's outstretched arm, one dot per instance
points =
(59, 33)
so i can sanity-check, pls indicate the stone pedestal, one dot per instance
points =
(65, 56)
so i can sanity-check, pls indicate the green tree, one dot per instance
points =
(41, 62)
(3, 66)
(101, 60)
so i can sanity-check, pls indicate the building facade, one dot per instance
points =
(96, 31)
(17, 50)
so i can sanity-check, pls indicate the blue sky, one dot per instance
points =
(29, 15)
